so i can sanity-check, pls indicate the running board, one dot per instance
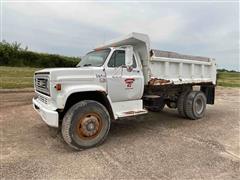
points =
(132, 113)
(128, 108)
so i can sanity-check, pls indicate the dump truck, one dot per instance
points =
(118, 79)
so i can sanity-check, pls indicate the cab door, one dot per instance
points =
(123, 84)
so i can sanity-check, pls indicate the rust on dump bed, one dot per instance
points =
(157, 81)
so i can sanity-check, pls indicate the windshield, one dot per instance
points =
(94, 58)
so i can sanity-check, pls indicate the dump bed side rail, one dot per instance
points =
(182, 71)
(170, 54)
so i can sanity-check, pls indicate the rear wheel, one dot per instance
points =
(180, 104)
(195, 105)
(85, 125)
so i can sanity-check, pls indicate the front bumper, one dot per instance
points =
(50, 117)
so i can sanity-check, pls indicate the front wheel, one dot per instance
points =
(85, 125)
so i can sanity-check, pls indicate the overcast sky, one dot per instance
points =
(72, 28)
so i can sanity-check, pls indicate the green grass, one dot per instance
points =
(22, 77)
(16, 77)
(228, 79)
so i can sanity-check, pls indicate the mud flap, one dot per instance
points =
(209, 92)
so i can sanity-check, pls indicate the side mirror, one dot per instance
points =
(129, 56)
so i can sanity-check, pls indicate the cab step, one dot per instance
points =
(132, 113)
(128, 108)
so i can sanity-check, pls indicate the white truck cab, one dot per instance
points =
(121, 78)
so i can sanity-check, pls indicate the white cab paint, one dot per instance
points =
(124, 84)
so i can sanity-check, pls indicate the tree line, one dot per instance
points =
(12, 54)
(225, 70)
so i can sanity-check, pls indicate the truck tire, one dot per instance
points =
(85, 125)
(180, 103)
(195, 105)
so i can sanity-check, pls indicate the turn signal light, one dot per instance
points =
(58, 87)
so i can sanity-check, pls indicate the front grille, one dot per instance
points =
(42, 85)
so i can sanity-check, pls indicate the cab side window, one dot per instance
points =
(118, 59)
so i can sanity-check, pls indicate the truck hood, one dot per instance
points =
(70, 74)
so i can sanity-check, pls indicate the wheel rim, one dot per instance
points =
(89, 126)
(199, 106)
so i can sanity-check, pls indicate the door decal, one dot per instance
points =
(129, 82)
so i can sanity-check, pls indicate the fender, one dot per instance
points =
(62, 98)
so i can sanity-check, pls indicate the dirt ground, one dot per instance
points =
(156, 146)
